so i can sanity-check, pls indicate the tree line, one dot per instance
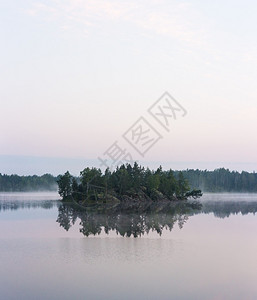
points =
(15, 183)
(221, 180)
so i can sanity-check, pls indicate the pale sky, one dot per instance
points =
(76, 75)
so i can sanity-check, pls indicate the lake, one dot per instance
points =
(187, 251)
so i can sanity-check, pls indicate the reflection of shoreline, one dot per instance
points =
(124, 222)
(28, 200)
(127, 221)
(28, 204)
(224, 209)
(144, 219)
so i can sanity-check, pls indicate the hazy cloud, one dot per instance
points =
(172, 19)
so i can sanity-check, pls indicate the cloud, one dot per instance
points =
(171, 19)
(249, 55)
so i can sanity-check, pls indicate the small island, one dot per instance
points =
(127, 185)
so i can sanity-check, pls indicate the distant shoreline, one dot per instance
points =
(218, 181)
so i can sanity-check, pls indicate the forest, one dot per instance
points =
(125, 183)
(15, 183)
(219, 180)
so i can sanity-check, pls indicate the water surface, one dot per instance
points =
(53, 251)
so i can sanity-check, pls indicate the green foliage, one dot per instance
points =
(15, 183)
(65, 185)
(135, 178)
(182, 186)
(92, 176)
(152, 181)
(221, 180)
(125, 180)
(194, 194)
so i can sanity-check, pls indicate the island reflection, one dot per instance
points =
(155, 217)
(126, 223)
(132, 222)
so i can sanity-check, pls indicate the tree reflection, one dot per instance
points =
(155, 217)
(66, 217)
(26, 204)
(224, 209)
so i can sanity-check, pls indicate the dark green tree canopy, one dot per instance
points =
(65, 185)
(125, 181)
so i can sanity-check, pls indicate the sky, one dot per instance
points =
(77, 75)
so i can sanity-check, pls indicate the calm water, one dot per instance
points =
(54, 251)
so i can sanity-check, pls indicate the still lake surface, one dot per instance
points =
(52, 251)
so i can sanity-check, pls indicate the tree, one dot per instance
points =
(194, 194)
(182, 186)
(91, 176)
(137, 176)
(65, 185)
(123, 182)
(151, 181)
